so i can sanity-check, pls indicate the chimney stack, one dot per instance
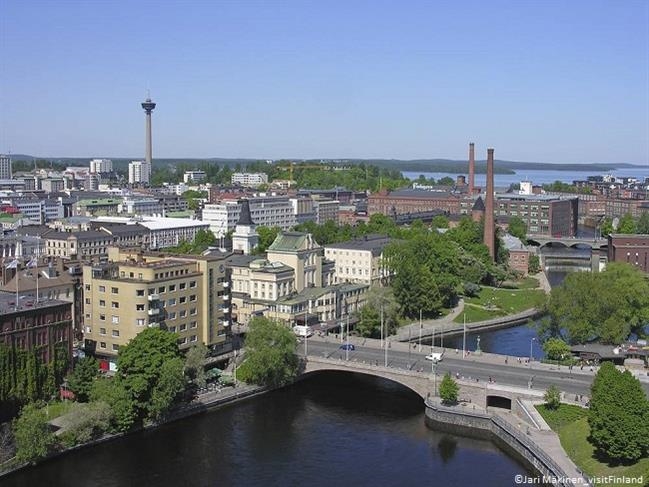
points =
(489, 237)
(471, 167)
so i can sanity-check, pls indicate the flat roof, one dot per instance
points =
(26, 303)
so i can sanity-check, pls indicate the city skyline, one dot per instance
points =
(547, 83)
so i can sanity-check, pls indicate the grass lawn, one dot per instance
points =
(58, 408)
(571, 423)
(494, 302)
(528, 283)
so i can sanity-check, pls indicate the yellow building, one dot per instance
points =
(188, 295)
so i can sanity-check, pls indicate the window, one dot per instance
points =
(140, 322)
(192, 324)
(182, 313)
(114, 304)
(102, 317)
(182, 341)
(192, 297)
(102, 331)
(115, 320)
(102, 289)
(139, 292)
(102, 344)
(182, 300)
(192, 338)
(114, 290)
(88, 329)
(183, 327)
(87, 287)
(172, 288)
(182, 286)
(162, 289)
(192, 311)
(139, 307)
(192, 284)
(151, 290)
(172, 315)
(115, 347)
(172, 329)
(172, 302)
(102, 303)
(87, 300)
(115, 333)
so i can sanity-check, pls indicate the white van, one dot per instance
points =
(302, 331)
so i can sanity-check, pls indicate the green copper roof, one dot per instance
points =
(289, 241)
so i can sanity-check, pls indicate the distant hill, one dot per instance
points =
(415, 165)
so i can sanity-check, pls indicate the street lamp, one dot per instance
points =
(531, 356)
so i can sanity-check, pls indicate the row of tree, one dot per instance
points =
(626, 224)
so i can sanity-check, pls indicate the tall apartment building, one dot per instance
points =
(268, 211)
(186, 295)
(139, 172)
(250, 179)
(543, 214)
(5, 167)
(101, 166)
(194, 176)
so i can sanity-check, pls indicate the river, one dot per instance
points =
(333, 429)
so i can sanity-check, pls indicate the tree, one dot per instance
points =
(556, 348)
(267, 236)
(144, 371)
(195, 364)
(552, 397)
(81, 379)
(448, 389)
(643, 223)
(112, 391)
(270, 353)
(88, 421)
(619, 415)
(34, 439)
(605, 306)
(439, 221)
(606, 227)
(370, 317)
(627, 224)
(517, 227)
(533, 264)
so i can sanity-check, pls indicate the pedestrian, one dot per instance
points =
(505, 360)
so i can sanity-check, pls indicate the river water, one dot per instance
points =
(333, 429)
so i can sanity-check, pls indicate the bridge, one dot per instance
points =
(544, 240)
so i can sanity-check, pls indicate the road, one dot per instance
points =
(473, 367)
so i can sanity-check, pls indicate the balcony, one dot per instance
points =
(154, 297)
(153, 311)
(224, 323)
(226, 284)
(225, 309)
(226, 297)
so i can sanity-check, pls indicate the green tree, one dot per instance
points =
(627, 224)
(88, 421)
(195, 364)
(270, 353)
(370, 316)
(145, 374)
(112, 391)
(643, 223)
(448, 390)
(533, 264)
(34, 439)
(517, 228)
(267, 236)
(556, 348)
(440, 221)
(605, 306)
(552, 397)
(619, 415)
(606, 227)
(81, 379)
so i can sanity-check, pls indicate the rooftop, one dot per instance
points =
(289, 241)
(26, 303)
(420, 194)
(374, 243)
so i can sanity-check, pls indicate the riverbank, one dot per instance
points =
(538, 449)
(203, 403)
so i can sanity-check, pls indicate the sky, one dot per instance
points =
(546, 80)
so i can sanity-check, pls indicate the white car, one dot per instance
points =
(435, 356)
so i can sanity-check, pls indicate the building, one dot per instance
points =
(303, 209)
(542, 214)
(326, 210)
(5, 167)
(101, 166)
(268, 211)
(97, 207)
(38, 211)
(194, 176)
(629, 248)
(52, 185)
(77, 245)
(359, 261)
(413, 201)
(139, 172)
(249, 179)
(41, 326)
(519, 255)
(187, 295)
(134, 205)
(245, 237)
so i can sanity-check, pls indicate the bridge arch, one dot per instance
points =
(499, 402)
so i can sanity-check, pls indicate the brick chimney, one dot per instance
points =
(489, 237)
(471, 167)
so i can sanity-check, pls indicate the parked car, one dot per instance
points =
(435, 356)
(347, 346)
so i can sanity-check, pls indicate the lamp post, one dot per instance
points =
(420, 329)
(347, 340)
(531, 356)
(235, 368)
(464, 338)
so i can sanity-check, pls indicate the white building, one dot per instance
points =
(194, 176)
(139, 172)
(5, 167)
(101, 166)
(268, 211)
(359, 261)
(39, 211)
(325, 210)
(141, 206)
(250, 179)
